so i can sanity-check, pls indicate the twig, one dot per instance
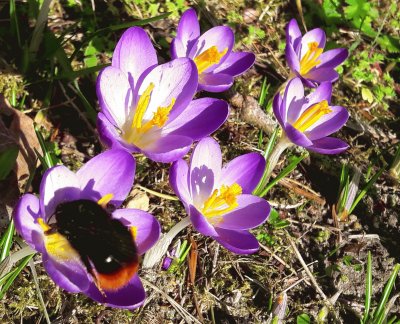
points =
(364, 236)
(277, 258)
(308, 272)
(251, 112)
(292, 285)
(35, 280)
(189, 318)
(283, 206)
(330, 228)
(81, 115)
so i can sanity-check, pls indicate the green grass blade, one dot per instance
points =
(7, 241)
(14, 21)
(91, 111)
(365, 189)
(267, 152)
(14, 275)
(379, 314)
(264, 92)
(344, 175)
(72, 75)
(270, 145)
(368, 288)
(117, 27)
(46, 158)
(40, 25)
(283, 173)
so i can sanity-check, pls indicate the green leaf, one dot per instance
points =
(303, 319)
(292, 165)
(367, 95)
(368, 288)
(379, 314)
(7, 160)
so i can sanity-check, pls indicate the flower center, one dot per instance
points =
(310, 59)
(312, 115)
(139, 127)
(222, 201)
(56, 244)
(208, 58)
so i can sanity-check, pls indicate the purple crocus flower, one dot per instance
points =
(218, 199)
(212, 52)
(305, 56)
(307, 121)
(148, 108)
(102, 182)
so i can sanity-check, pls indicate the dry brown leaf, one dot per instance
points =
(20, 127)
(193, 261)
(138, 199)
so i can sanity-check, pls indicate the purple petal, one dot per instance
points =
(25, 214)
(115, 95)
(221, 36)
(205, 169)
(175, 80)
(329, 123)
(333, 58)
(58, 185)
(293, 98)
(251, 212)
(168, 148)
(323, 92)
(236, 63)
(178, 179)
(148, 228)
(134, 53)
(292, 58)
(328, 145)
(166, 263)
(70, 276)
(111, 172)
(322, 75)
(215, 82)
(240, 242)
(293, 35)
(110, 137)
(245, 170)
(201, 118)
(314, 35)
(278, 108)
(200, 222)
(130, 296)
(177, 49)
(296, 136)
(187, 33)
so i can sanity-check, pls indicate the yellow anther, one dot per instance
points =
(225, 201)
(312, 115)
(161, 115)
(134, 230)
(141, 106)
(134, 133)
(310, 58)
(56, 244)
(45, 227)
(208, 58)
(103, 201)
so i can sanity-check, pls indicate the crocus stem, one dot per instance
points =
(395, 168)
(155, 254)
(279, 148)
